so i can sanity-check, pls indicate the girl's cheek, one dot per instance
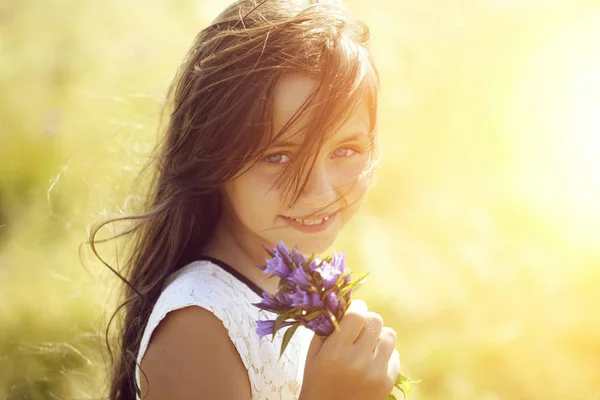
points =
(350, 173)
(267, 193)
(263, 178)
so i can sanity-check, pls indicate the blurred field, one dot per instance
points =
(482, 234)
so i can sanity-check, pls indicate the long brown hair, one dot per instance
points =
(219, 125)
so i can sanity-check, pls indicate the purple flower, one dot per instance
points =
(299, 277)
(284, 254)
(313, 265)
(321, 325)
(294, 298)
(332, 303)
(298, 258)
(270, 304)
(329, 274)
(332, 270)
(339, 260)
(315, 301)
(310, 294)
(276, 266)
(264, 328)
(302, 299)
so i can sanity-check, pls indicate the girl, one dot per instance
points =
(271, 137)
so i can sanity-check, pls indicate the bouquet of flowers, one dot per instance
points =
(313, 293)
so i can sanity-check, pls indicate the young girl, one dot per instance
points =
(271, 137)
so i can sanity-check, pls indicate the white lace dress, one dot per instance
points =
(229, 296)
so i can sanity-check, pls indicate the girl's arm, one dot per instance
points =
(190, 356)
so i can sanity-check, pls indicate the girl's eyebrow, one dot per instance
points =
(357, 136)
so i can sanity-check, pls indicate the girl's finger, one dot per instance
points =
(385, 346)
(368, 338)
(351, 324)
(393, 368)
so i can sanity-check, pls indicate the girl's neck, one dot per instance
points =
(242, 253)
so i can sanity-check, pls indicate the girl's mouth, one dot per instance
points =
(310, 225)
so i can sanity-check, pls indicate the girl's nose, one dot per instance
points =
(319, 191)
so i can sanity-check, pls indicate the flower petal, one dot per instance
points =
(332, 302)
(329, 274)
(298, 258)
(321, 325)
(338, 260)
(269, 303)
(276, 266)
(299, 277)
(264, 328)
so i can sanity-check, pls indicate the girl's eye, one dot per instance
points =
(343, 152)
(278, 158)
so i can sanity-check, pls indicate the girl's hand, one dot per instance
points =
(358, 362)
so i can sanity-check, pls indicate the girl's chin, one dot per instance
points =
(314, 246)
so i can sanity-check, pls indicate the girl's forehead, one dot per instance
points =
(290, 94)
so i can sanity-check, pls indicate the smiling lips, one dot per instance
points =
(311, 221)
(310, 225)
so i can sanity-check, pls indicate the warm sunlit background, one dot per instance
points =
(482, 235)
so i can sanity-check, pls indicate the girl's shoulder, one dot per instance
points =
(190, 353)
(204, 282)
(207, 285)
(209, 276)
(211, 286)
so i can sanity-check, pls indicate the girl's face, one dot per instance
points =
(333, 192)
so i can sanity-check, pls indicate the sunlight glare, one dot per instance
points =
(557, 126)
